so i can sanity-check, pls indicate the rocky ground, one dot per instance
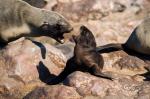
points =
(26, 66)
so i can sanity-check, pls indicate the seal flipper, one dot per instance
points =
(2, 45)
(109, 48)
(95, 71)
(70, 67)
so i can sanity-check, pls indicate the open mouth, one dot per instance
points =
(60, 39)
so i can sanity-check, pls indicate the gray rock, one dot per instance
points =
(67, 49)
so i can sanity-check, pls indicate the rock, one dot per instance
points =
(7, 96)
(122, 63)
(50, 4)
(91, 97)
(87, 85)
(96, 9)
(67, 49)
(19, 91)
(118, 96)
(24, 62)
(53, 92)
(144, 92)
(111, 21)
(43, 40)
(25, 65)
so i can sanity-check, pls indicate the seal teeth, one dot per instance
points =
(62, 40)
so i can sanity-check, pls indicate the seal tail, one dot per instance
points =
(110, 47)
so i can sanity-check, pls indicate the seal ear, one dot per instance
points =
(83, 30)
(87, 36)
(86, 32)
(45, 26)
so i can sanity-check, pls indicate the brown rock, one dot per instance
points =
(144, 92)
(22, 63)
(67, 49)
(123, 63)
(96, 9)
(53, 92)
(50, 4)
(111, 21)
(86, 84)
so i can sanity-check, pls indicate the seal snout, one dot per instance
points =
(82, 28)
(69, 29)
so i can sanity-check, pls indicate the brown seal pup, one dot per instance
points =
(85, 58)
(139, 40)
(18, 19)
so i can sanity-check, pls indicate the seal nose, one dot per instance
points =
(82, 28)
(69, 29)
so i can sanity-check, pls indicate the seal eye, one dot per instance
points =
(45, 26)
(58, 27)
(46, 23)
(45, 2)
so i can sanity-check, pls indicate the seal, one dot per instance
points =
(139, 41)
(19, 19)
(85, 58)
(37, 3)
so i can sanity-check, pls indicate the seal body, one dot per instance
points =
(139, 40)
(18, 19)
(37, 3)
(85, 59)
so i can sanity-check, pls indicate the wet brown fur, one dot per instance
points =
(85, 58)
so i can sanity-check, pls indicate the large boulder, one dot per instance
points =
(124, 63)
(122, 88)
(24, 62)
